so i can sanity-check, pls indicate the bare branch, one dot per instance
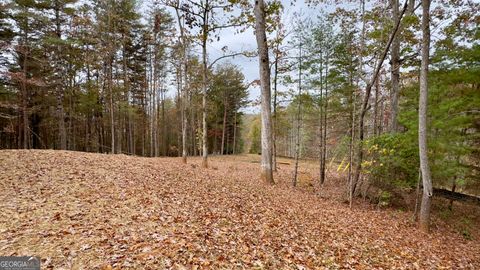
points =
(228, 56)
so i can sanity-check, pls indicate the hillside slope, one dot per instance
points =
(85, 211)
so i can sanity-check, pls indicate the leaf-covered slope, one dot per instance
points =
(83, 211)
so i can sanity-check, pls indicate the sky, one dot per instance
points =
(237, 42)
(247, 41)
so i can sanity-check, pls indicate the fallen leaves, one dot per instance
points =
(94, 211)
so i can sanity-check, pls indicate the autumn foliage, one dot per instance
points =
(95, 211)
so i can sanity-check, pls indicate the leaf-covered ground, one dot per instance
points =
(95, 211)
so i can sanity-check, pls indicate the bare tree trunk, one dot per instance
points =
(129, 141)
(424, 222)
(215, 136)
(112, 119)
(58, 84)
(227, 140)
(193, 123)
(353, 181)
(131, 134)
(235, 133)
(259, 10)
(26, 133)
(184, 118)
(299, 112)
(224, 127)
(26, 129)
(417, 193)
(320, 155)
(165, 138)
(152, 108)
(324, 137)
(61, 122)
(204, 90)
(162, 136)
(381, 120)
(183, 84)
(351, 148)
(274, 122)
(454, 186)
(396, 62)
(395, 68)
(109, 84)
(375, 108)
(184, 129)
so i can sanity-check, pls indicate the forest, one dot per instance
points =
(221, 134)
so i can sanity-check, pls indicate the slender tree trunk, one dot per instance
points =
(224, 125)
(61, 117)
(355, 179)
(72, 126)
(396, 62)
(126, 86)
(204, 87)
(424, 222)
(274, 122)
(165, 137)
(320, 155)
(204, 103)
(58, 81)
(381, 120)
(112, 115)
(26, 131)
(351, 147)
(193, 123)
(184, 129)
(184, 123)
(324, 137)
(215, 135)
(395, 68)
(183, 84)
(152, 107)
(375, 107)
(353, 112)
(417, 193)
(144, 126)
(235, 132)
(131, 135)
(454, 186)
(299, 112)
(227, 140)
(266, 173)
(110, 58)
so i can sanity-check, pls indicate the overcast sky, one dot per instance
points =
(237, 42)
(247, 41)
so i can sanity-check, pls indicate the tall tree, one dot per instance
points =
(424, 221)
(298, 116)
(395, 67)
(264, 66)
(183, 69)
(60, 9)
